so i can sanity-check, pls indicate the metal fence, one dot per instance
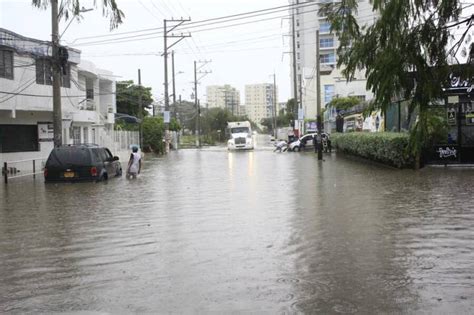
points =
(21, 168)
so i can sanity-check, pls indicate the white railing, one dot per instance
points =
(21, 168)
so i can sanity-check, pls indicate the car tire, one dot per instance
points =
(104, 177)
(296, 149)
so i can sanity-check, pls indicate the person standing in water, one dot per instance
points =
(135, 163)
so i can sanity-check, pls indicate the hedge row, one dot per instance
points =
(385, 147)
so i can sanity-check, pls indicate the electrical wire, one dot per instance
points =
(192, 23)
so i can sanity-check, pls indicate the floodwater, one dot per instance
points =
(214, 231)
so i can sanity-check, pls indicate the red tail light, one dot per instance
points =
(45, 172)
(94, 171)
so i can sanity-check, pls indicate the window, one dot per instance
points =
(44, 73)
(328, 93)
(85, 135)
(6, 64)
(326, 42)
(76, 135)
(18, 138)
(324, 27)
(328, 58)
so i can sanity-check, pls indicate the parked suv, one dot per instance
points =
(81, 162)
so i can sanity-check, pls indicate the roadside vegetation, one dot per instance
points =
(385, 147)
(405, 54)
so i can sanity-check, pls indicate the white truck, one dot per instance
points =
(240, 135)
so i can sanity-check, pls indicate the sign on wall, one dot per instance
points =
(451, 116)
(45, 131)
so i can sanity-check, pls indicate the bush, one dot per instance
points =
(385, 147)
(153, 133)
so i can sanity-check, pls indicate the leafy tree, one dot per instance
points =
(128, 98)
(344, 103)
(404, 53)
(291, 109)
(214, 122)
(72, 9)
(174, 125)
(186, 115)
(153, 133)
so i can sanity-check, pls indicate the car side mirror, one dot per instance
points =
(116, 158)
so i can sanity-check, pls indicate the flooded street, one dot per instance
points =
(214, 231)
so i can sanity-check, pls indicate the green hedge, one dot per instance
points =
(385, 147)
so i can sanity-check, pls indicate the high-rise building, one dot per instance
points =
(259, 101)
(333, 84)
(223, 96)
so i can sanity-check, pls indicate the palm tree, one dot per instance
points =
(72, 9)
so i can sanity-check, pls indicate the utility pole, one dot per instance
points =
(196, 105)
(274, 111)
(57, 113)
(295, 89)
(174, 84)
(140, 109)
(196, 101)
(318, 100)
(180, 37)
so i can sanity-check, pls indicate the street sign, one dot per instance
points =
(166, 116)
(300, 114)
(470, 119)
(451, 116)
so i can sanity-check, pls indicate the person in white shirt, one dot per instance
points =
(134, 164)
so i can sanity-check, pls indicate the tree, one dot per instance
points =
(344, 103)
(153, 133)
(186, 113)
(128, 98)
(404, 53)
(214, 122)
(72, 9)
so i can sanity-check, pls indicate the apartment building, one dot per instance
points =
(223, 96)
(259, 101)
(26, 103)
(333, 84)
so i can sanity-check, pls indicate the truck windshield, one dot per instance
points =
(239, 130)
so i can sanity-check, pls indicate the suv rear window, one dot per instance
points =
(73, 156)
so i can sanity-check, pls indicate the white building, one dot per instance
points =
(307, 21)
(26, 103)
(259, 101)
(223, 96)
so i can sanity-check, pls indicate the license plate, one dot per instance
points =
(68, 174)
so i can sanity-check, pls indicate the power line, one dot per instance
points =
(196, 23)
(141, 37)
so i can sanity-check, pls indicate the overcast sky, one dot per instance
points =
(244, 54)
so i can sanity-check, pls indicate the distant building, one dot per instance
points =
(223, 96)
(333, 84)
(259, 101)
(88, 99)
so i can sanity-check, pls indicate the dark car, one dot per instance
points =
(81, 162)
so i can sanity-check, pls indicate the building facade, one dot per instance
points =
(333, 84)
(223, 96)
(260, 102)
(26, 105)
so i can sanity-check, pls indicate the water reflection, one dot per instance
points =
(213, 231)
